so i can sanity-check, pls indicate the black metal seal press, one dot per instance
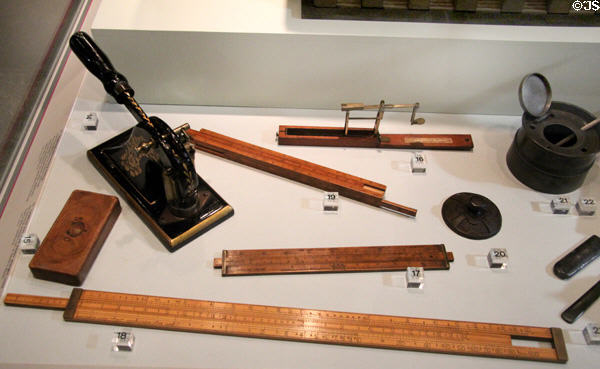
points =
(152, 165)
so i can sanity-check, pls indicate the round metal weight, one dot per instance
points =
(536, 160)
(471, 215)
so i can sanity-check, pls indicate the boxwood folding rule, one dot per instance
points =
(304, 325)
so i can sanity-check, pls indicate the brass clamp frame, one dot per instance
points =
(381, 108)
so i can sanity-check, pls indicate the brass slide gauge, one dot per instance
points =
(371, 137)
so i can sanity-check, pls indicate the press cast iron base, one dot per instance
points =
(139, 179)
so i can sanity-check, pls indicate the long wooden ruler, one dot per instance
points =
(333, 259)
(315, 175)
(364, 137)
(305, 325)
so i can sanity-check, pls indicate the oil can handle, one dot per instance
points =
(99, 65)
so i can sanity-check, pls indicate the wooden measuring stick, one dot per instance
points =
(333, 259)
(302, 171)
(305, 325)
(364, 137)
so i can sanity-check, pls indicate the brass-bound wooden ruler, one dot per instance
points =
(364, 137)
(305, 325)
(333, 259)
(312, 174)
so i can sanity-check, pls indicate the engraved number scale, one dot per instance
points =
(304, 325)
(333, 259)
(299, 170)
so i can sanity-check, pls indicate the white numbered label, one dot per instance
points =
(29, 243)
(415, 277)
(560, 205)
(90, 123)
(497, 259)
(418, 163)
(586, 206)
(123, 341)
(592, 334)
(330, 202)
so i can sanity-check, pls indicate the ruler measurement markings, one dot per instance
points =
(320, 334)
(255, 259)
(414, 323)
(337, 259)
(360, 250)
(323, 327)
(332, 267)
(260, 321)
(337, 315)
(278, 161)
(36, 301)
(192, 318)
(305, 258)
(172, 311)
(382, 319)
(182, 323)
(336, 265)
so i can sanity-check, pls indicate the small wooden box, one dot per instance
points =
(72, 244)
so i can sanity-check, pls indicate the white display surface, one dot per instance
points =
(271, 212)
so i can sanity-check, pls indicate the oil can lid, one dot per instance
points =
(535, 94)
